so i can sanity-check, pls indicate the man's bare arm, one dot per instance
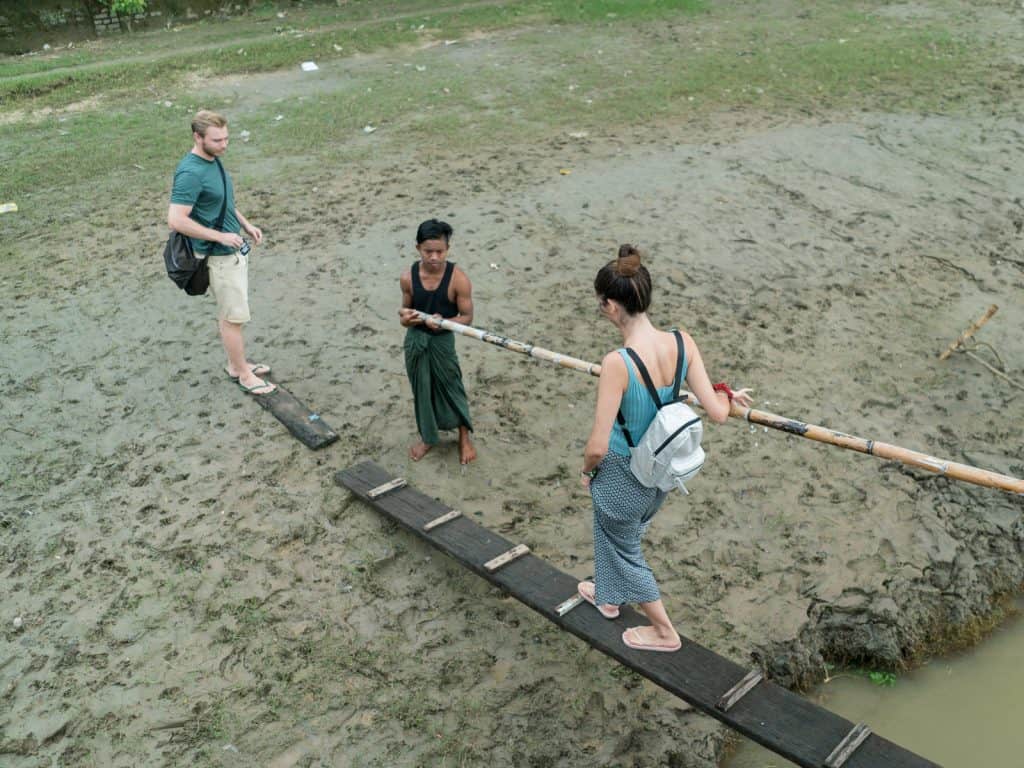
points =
(463, 298)
(406, 315)
(253, 231)
(178, 220)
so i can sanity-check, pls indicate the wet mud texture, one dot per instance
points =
(194, 590)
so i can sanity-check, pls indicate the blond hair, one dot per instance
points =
(206, 119)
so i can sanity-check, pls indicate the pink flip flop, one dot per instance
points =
(639, 645)
(608, 613)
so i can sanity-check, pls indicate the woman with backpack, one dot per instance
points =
(623, 507)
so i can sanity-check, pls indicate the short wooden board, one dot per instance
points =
(774, 717)
(304, 424)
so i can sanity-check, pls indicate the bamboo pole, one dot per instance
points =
(815, 432)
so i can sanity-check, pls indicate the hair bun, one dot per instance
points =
(629, 260)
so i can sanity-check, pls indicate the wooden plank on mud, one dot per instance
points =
(303, 423)
(771, 715)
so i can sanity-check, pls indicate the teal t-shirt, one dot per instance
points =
(197, 183)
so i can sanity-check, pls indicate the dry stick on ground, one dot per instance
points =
(973, 329)
(999, 360)
(960, 346)
(950, 264)
(820, 434)
(992, 368)
(20, 432)
(169, 725)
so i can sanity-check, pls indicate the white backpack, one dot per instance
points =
(669, 453)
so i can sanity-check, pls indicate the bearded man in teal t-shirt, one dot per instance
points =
(203, 208)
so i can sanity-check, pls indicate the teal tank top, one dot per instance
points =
(637, 407)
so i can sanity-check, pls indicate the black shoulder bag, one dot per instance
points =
(189, 272)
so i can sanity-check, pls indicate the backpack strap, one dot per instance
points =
(680, 360)
(648, 382)
(650, 390)
(625, 432)
(677, 382)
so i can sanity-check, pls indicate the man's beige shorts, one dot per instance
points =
(229, 281)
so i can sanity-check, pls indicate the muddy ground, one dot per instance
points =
(193, 588)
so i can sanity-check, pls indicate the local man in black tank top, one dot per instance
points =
(437, 287)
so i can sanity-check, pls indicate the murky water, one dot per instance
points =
(962, 711)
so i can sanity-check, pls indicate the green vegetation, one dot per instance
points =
(882, 679)
(209, 723)
(112, 117)
(127, 8)
(252, 47)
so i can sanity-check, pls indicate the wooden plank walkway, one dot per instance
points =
(773, 716)
(304, 424)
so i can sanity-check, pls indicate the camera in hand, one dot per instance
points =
(244, 250)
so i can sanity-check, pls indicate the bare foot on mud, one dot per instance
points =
(467, 451)
(418, 450)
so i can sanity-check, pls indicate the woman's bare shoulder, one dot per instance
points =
(613, 360)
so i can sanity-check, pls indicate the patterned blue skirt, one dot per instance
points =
(623, 510)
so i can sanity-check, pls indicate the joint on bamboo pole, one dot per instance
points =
(970, 331)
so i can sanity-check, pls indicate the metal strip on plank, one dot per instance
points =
(738, 691)
(567, 605)
(506, 557)
(445, 518)
(390, 485)
(857, 735)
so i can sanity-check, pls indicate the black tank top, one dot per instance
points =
(434, 302)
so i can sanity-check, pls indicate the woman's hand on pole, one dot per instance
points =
(742, 397)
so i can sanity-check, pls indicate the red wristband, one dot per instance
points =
(723, 387)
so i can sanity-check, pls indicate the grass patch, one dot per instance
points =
(259, 23)
(606, 73)
(243, 48)
(574, 11)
